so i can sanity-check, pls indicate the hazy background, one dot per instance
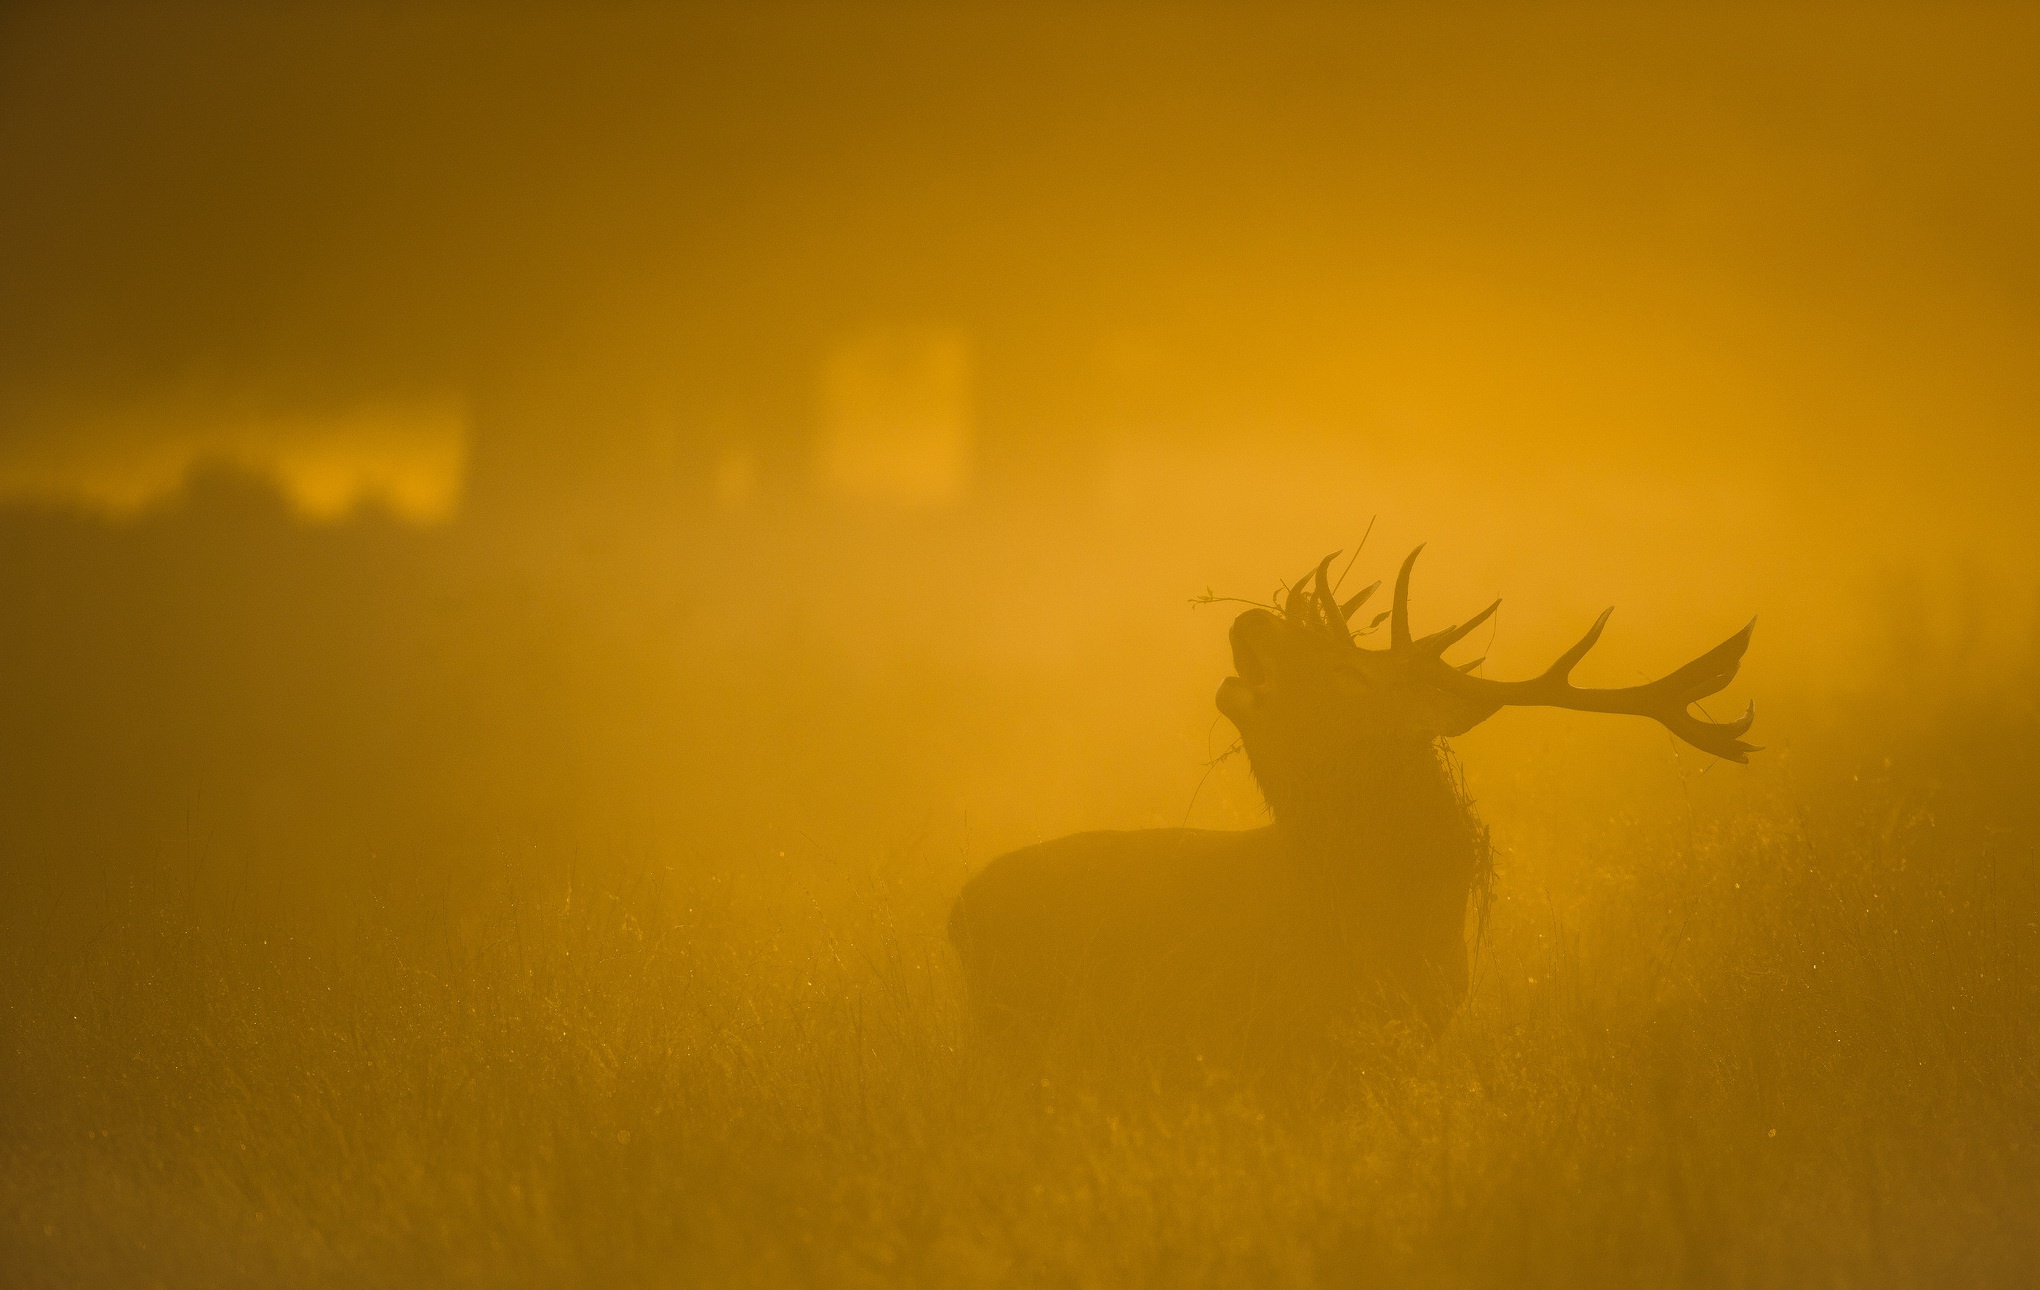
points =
(767, 371)
(448, 453)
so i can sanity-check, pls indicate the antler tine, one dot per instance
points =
(1712, 671)
(1294, 599)
(1561, 668)
(1359, 598)
(1325, 603)
(1440, 641)
(1399, 616)
(1722, 738)
(1399, 622)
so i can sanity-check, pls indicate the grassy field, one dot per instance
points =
(1767, 1030)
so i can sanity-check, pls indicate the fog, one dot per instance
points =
(606, 516)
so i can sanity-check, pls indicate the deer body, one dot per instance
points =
(1348, 912)
(1227, 945)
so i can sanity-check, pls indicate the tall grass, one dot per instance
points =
(1774, 1031)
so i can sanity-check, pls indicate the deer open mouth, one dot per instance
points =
(1248, 661)
(1237, 694)
(1248, 665)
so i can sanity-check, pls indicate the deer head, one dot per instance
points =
(1305, 687)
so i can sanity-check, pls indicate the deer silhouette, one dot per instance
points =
(1350, 909)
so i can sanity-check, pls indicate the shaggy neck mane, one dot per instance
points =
(1374, 810)
(1383, 835)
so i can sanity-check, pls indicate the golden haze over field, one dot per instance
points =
(544, 545)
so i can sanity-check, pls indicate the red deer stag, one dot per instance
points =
(1349, 908)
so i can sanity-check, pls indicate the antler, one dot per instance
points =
(1666, 700)
(1311, 603)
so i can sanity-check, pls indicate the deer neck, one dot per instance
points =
(1387, 853)
(1373, 813)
